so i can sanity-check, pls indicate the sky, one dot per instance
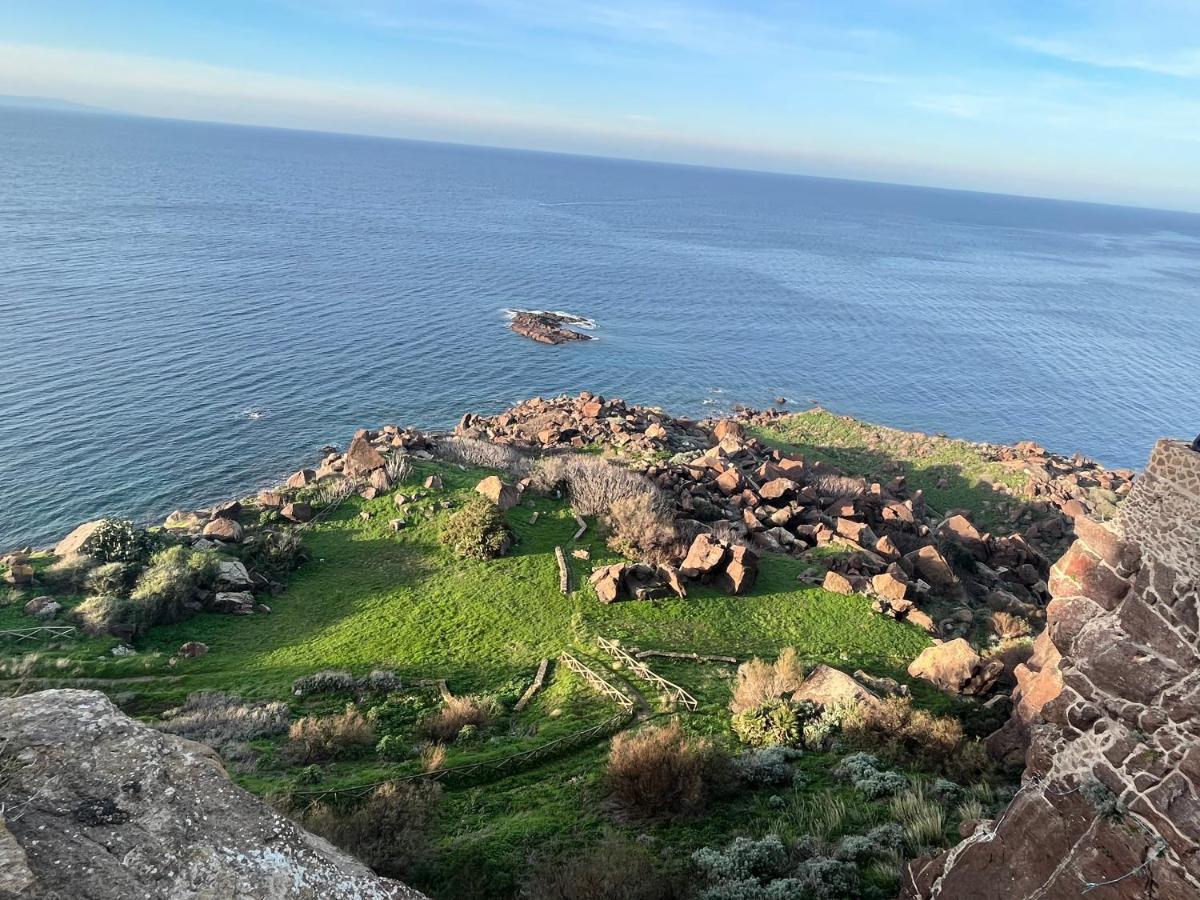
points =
(1082, 99)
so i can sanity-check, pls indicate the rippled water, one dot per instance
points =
(189, 310)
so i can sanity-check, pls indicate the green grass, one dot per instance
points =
(371, 598)
(954, 474)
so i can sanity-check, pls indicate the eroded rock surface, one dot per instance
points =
(1109, 711)
(101, 807)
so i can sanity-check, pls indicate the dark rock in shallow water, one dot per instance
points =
(547, 328)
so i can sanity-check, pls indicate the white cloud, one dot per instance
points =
(1179, 63)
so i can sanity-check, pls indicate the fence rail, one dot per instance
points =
(40, 631)
(596, 680)
(643, 671)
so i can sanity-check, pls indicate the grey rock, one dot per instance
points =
(111, 808)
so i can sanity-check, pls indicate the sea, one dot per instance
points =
(190, 311)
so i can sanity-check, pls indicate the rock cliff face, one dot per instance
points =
(1109, 710)
(97, 806)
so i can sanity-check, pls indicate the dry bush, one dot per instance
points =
(642, 528)
(1007, 626)
(318, 738)
(895, 731)
(662, 771)
(69, 574)
(397, 465)
(829, 485)
(481, 454)
(593, 485)
(613, 869)
(759, 681)
(456, 714)
(433, 757)
(219, 719)
(389, 831)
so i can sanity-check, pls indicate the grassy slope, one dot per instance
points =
(372, 598)
(953, 473)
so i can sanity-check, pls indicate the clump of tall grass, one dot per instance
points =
(220, 719)
(921, 817)
(481, 454)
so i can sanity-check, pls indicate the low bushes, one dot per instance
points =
(593, 485)
(481, 454)
(118, 540)
(108, 578)
(319, 738)
(775, 723)
(477, 531)
(389, 831)
(902, 735)
(869, 776)
(165, 592)
(457, 714)
(339, 681)
(219, 719)
(759, 681)
(275, 554)
(613, 869)
(69, 574)
(662, 771)
(643, 528)
(770, 767)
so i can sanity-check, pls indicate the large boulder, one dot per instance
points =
(955, 666)
(740, 572)
(226, 530)
(73, 542)
(362, 458)
(111, 808)
(500, 492)
(704, 557)
(831, 687)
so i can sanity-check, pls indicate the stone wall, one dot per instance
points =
(1110, 709)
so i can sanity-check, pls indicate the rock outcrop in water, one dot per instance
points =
(97, 806)
(547, 328)
(1108, 711)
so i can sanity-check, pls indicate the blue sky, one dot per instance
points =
(1094, 100)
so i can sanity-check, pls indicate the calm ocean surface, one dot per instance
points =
(189, 310)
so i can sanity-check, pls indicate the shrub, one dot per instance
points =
(743, 859)
(433, 757)
(593, 485)
(170, 582)
(869, 777)
(109, 578)
(380, 681)
(456, 714)
(110, 614)
(275, 554)
(477, 531)
(397, 465)
(643, 528)
(759, 681)
(389, 831)
(828, 879)
(906, 736)
(662, 771)
(613, 869)
(219, 719)
(878, 843)
(327, 681)
(769, 767)
(118, 540)
(481, 454)
(393, 747)
(317, 738)
(397, 714)
(776, 723)
(69, 574)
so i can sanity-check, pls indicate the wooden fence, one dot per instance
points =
(40, 631)
(673, 691)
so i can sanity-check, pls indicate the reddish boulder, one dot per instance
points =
(955, 667)
(297, 512)
(740, 572)
(503, 494)
(226, 530)
(302, 478)
(703, 558)
(362, 458)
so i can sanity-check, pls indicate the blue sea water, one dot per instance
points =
(191, 310)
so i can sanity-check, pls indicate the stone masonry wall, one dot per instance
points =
(1110, 705)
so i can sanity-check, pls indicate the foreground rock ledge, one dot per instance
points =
(100, 807)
